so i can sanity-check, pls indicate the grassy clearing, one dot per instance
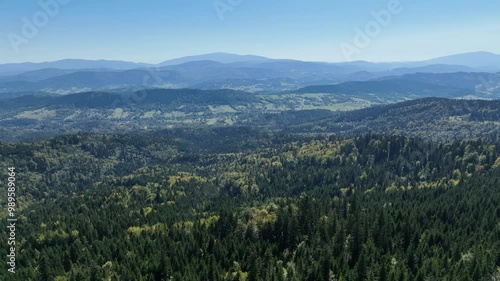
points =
(39, 114)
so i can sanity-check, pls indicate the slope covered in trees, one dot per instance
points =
(105, 207)
(31, 118)
(431, 118)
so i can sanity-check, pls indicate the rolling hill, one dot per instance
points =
(429, 118)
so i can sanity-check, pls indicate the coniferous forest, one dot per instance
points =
(236, 204)
(232, 140)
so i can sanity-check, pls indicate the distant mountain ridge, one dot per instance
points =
(249, 73)
(480, 60)
(17, 68)
(217, 57)
(470, 60)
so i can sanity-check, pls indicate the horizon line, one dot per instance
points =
(227, 53)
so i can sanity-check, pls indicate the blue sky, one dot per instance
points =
(156, 30)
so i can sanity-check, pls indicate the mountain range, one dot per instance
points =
(480, 60)
(218, 70)
(225, 89)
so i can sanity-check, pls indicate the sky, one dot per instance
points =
(314, 30)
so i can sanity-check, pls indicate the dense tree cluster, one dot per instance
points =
(105, 207)
(434, 119)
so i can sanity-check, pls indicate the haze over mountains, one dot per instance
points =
(225, 89)
(218, 70)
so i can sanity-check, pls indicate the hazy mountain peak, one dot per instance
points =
(473, 59)
(217, 57)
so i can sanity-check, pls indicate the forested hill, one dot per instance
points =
(392, 89)
(35, 117)
(138, 98)
(141, 207)
(479, 82)
(430, 118)
(429, 109)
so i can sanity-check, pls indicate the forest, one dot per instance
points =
(238, 204)
(232, 140)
